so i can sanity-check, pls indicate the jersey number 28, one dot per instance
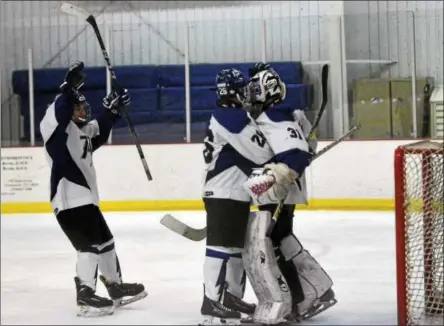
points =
(259, 139)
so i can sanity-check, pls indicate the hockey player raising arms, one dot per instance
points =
(286, 131)
(70, 139)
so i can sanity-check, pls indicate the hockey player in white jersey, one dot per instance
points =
(70, 139)
(233, 147)
(286, 132)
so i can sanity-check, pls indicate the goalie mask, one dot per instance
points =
(231, 88)
(82, 110)
(267, 89)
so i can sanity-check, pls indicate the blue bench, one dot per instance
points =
(158, 92)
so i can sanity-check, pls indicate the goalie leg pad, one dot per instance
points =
(314, 280)
(284, 223)
(290, 273)
(263, 272)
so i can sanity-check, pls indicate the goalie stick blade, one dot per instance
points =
(73, 10)
(181, 228)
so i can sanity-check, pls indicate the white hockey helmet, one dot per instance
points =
(267, 88)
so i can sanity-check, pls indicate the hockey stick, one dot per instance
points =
(194, 234)
(76, 11)
(181, 228)
(311, 135)
(324, 82)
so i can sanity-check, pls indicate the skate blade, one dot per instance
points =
(247, 320)
(88, 311)
(316, 310)
(250, 321)
(210, 320)
(126, 301)
(293, 319)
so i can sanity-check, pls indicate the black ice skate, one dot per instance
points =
(124, 293)
(215, 313)
(91, 305)
(328, 300)
(237, 304)
(293, 318)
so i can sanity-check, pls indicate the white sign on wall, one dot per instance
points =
(24, 178)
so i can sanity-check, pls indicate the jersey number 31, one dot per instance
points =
(294, 133)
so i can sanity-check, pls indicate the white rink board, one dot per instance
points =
(352, 170)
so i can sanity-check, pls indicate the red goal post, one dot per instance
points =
(419, 207)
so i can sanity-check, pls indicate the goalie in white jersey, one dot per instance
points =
(70, 139)
(286, 131)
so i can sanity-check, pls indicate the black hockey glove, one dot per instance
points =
(74, 78)
(115, 101)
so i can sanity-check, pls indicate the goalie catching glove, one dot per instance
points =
(271, 183)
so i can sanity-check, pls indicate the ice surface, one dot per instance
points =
(357, 249)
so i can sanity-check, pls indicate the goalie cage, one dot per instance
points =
(419, 206)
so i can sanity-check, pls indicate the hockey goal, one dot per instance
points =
(419, 204)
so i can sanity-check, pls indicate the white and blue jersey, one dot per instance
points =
(69, 153)
(234, 145)
(286, 131)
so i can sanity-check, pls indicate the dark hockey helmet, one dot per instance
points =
(82, 110)
(231, 88)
